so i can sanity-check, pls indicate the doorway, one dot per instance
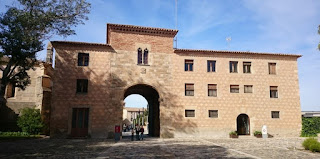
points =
(243, 124)
(152, 97)
(80, 120)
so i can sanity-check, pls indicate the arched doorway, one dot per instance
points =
(243, 124)
(152, 96)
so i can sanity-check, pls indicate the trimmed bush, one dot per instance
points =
(30, 121)
(14, 134)
(233, 133)
(310, 127)
(315, 147)
(309, 142)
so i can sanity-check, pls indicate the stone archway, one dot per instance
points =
(152, 96)
(243, 124)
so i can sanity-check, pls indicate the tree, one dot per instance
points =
(30, 121)
(23, 31)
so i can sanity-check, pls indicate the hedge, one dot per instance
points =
(310, 127)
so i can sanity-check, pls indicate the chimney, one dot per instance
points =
(49, 53)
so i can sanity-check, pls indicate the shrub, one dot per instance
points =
(315, 147)
(310, 127)
(233, 133)
(30, 121)
(308, 142)
(257, 133)
(14, 134)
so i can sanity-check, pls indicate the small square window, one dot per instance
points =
(233, 65)
(234, 88)
(248, 88)
(83, 59)
(246, 67)
(273, 91)
(82, 85)
(212, 90)
(213, 113)
(275, 114)
(188, 65)
(190, 113)
(189, 89)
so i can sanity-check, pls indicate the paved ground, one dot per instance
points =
(156, 148)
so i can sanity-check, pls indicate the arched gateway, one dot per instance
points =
(152, 96)
(243, 124)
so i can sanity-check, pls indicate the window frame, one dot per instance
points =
(213, 117)
(233, 85)
(244, 88)
(82, 59)
(270, 69)
(194, 113)
(246, 66)
(233, 66)
(211, 65)
(275, 116)
(188, 65)
(274, 89)
(212, 89)
(84, 89)
(188, 90)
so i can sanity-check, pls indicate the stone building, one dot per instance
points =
(189, 92)
(36, 95)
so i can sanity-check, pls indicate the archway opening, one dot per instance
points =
(151, 122)
(243, 124)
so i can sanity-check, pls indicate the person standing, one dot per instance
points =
(132, 134)
(142, 131)
(137, 132)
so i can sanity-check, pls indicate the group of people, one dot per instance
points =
(139, 133)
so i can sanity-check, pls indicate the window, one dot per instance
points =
(247, 88)
(234, 88)
(189, 89)
(212, 90)
(139, 56)
(190, 113)
(145, 56)
(273, 92)
(275, 114)
(83, 59)
(246, 67)
(11, 90)
(211, 66)
(233, 66)
(188, 65)
(272, 68)
(213, 113)
(82, 85)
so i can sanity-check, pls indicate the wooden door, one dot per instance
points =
(80, 120)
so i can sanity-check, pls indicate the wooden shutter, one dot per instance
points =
(272, 68)
(189, 87)
(212, 86)
(234, 86)
(273, 88)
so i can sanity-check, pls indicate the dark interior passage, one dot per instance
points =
(243, 124)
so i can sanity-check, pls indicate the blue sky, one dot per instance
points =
(286, 26)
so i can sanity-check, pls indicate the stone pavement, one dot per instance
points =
(210, 148)
(157, 148)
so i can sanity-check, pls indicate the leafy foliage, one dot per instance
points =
(23, 30)
(14, 134)
(30, 121)
(311, 144)
(257, 133)
(310, 127)
(233, 133)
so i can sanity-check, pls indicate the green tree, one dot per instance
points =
(23, 30)
(30, 121)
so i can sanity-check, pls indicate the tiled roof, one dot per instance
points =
(233, 52)
(79, 43)
(142, 29)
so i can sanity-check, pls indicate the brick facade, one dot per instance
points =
(113, 72)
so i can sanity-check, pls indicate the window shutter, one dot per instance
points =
(189, 87)
(145, 56)
(273, 88)
(212, 86)
(139, 56)
(234, 86)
